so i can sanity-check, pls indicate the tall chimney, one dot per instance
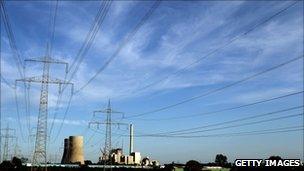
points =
(131, 138)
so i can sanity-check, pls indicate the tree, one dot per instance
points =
(87, 162)
(221, 160)
(17, 162)
(193, 165)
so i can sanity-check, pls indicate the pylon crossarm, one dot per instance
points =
(8, 136)
(39, 79)
(116, 123)
(113, 111)
(93, 123)
(99, 111)
(49, 60)
(9, 129)
(107, 111)
(105, 123)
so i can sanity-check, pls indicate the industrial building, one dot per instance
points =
(136, 157)
(148, 162)
(117, 157)
(73, 153)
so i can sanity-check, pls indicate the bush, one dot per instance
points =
(193, 165)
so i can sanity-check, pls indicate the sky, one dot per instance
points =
(141, 76)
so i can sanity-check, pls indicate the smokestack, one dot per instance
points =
(131, 138)
(65, 151)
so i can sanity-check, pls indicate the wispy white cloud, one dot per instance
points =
(261, 94)
(174, 37)
(134, 67)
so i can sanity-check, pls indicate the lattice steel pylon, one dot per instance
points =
(17, 151)
(40, 155)
(6, 145)
(108, 135)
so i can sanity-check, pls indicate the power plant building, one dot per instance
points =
(130, 160)
(73, 153)
(116, 155)
(136, 157)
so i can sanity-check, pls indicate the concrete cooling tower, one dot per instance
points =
(74, 152)
(65, 151)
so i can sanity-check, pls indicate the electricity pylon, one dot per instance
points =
(40, 155)
(17, 151)
(6, 146)
(108, 136)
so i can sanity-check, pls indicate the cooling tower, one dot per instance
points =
(65, 151)
(75, 151)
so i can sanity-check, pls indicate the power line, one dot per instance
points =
(41, 136)
(218, 89)
(101, 14)
(65, 113)
(123, 43)
(18, 113)
(105, 5)
(87, 127)
(245, 133)
(11, 38)
(58, 101)
(146, 17)
(235, 120)
(16, 54)
(26, 102)
(52, 24)
(134, 31)
(27, 105)
(91, 137)
(224, 109)
(91, 32)
(6, 82)
(237, 125)
(237, 37)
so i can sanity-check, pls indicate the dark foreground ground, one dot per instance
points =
(156, 169)
(75, 169)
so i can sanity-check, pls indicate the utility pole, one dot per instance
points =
(40, 154)
(108, 136)
(6, 146)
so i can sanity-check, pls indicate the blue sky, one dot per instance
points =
(177, 34)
